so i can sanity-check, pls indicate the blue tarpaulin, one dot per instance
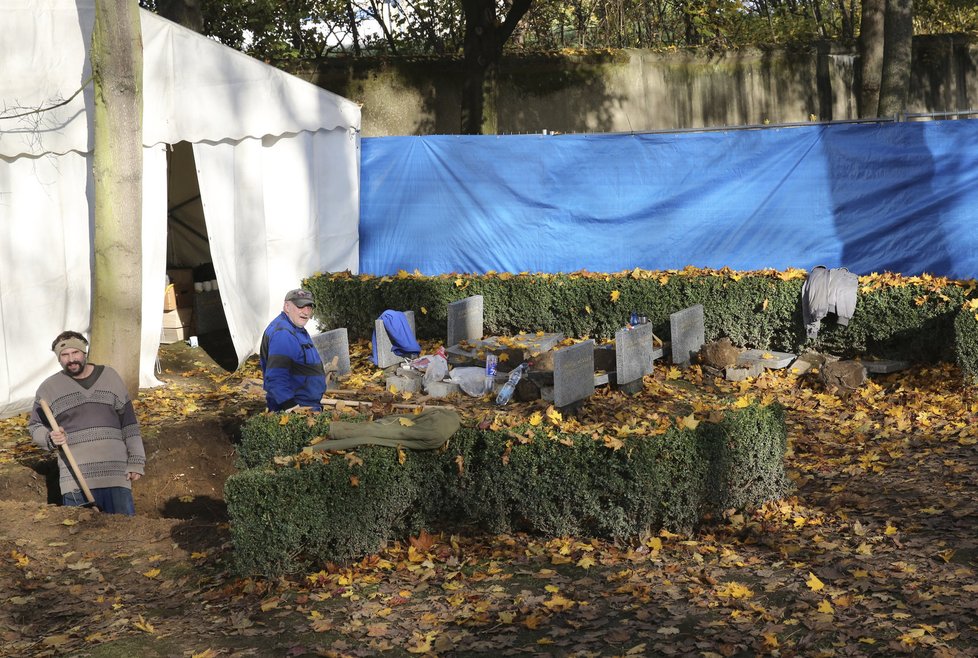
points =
(872, 197)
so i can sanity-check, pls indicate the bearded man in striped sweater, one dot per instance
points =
(96, 420)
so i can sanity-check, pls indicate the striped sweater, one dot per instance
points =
(101, 426)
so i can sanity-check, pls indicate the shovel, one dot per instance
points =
(71, 459)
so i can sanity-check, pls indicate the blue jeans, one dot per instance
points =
(112, 500)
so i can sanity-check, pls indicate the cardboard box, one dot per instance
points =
(180, 291)
(173, 335)
(179, 317)
(170, 298)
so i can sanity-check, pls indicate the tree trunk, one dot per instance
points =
(484, 40)
(897, 55)
(117, 70)
(480, 36)
(871, 57)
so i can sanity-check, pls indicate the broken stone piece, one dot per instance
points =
(719, 354)
(843, 377)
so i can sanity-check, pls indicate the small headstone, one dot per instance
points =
(767, 358)
(334, 343)
(385, 355)
(884, 366)
(573, 373)
(634, 353)
(688, 333)
(465, 320)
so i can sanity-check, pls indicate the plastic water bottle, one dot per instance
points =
(506, 392)
(634, 319)
(492, 361)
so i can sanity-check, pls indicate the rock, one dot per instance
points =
(843, 377)
(719, 354)
(443, 389)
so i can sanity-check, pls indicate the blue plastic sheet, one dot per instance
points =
(899, 197)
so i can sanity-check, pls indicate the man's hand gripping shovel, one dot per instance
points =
(71, 459)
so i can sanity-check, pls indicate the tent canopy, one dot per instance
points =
(276, 160)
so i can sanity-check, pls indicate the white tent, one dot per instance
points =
(277, 162)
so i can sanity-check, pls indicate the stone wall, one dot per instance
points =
(640, 90)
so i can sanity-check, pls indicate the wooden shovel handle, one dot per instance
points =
(71, 458)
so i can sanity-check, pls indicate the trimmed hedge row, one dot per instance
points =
(911, 319)
(338, 507)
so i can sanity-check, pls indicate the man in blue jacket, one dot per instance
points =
(291, 368)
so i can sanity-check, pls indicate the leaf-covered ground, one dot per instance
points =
(874, 554)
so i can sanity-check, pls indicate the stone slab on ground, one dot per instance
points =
(402, 384)
(767, 358)
(521, 346)
(573, 373)
(884, 366)
(742, 372)
(443, 389)
(687, 334)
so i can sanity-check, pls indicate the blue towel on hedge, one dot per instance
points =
(400, 333)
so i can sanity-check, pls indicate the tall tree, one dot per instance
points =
(897, 55)
(117, 72)
(484, 40)
(886, 49)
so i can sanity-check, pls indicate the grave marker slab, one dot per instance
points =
(634, 353)
(385, 355)
(334, 343)
(465, 319)
(688, 329)
(767, 358)
(573, 373)
(530, 344)
(884, 366)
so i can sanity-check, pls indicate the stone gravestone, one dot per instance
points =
(573, 373)
(385, 355)
(465, 319)
(634, 353)
(688, 330)
(335, 343)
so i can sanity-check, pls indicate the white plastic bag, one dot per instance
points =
(471, 379)
(436, 370)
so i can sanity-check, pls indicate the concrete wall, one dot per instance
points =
(639, 90)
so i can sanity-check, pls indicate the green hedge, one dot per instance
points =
(286, 518)
(966, 341)
(911, 319)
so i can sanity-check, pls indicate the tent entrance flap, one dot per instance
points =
(188, 254)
